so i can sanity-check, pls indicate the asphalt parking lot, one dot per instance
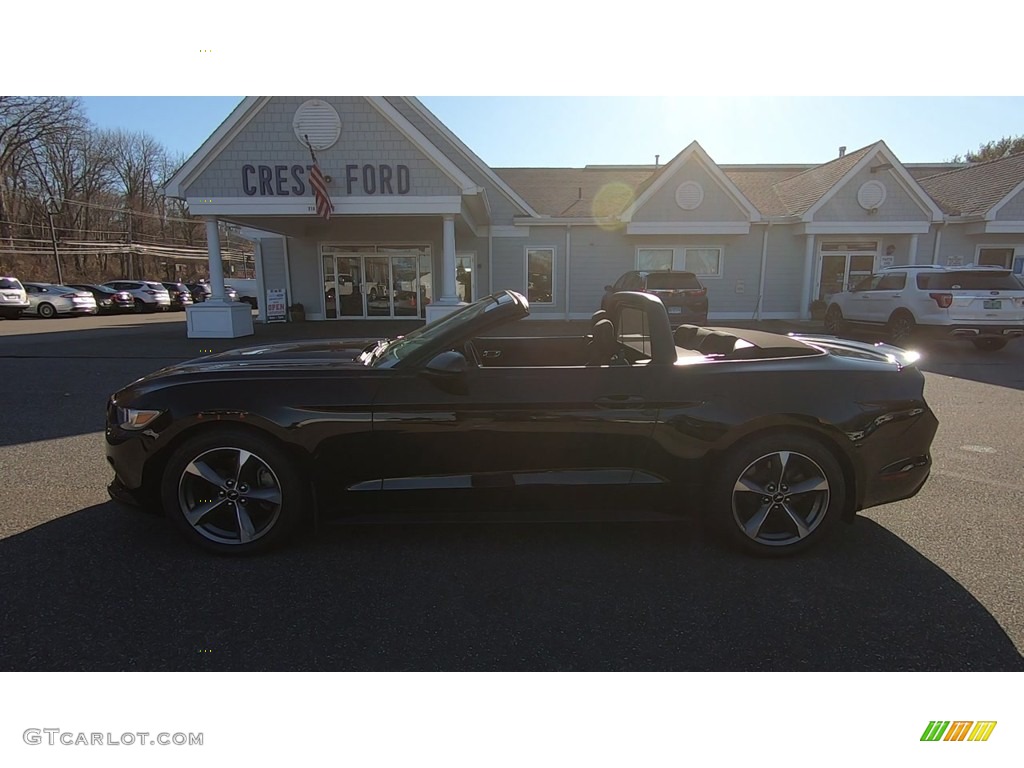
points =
(932, 583)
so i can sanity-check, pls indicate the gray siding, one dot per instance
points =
(898, 205)
(274, 275)
(303, 259)
(717, 205)
(502, 209)
(956, 242)
(600, 257)
(1013, 210)
(366, 138)
(784, 276)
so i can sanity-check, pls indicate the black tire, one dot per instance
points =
(12, 314)
(734, 505)
(989, 344)
(138, 306)
(901, 327)
(268, 472)
(834, 323)
(46, 310)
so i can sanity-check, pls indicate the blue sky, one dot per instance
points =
(575, 131)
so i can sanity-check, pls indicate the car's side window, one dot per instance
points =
(868, 283)
(894, 281)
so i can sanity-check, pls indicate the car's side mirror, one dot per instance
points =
(449, 363)
(446, 370)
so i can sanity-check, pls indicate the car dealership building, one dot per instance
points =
(421, 224)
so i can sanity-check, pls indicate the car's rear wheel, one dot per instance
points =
(901, 327)
(46, 310)
(12, 314)
(834, 322)
(778, 495)
(232, 492)
(989, 344)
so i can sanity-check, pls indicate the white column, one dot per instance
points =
(217, 318)
(912, 256)
(216, 265)
(449, 292)
(805, 294)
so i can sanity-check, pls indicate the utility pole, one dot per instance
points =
(53, 239)
(131, 248)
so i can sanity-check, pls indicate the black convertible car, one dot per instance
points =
(774, 438)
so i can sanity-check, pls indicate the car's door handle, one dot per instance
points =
(619, 401)
(491, 353)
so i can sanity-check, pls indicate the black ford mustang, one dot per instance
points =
(774, 438)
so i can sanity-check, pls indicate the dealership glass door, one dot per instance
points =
(841, 269)
(375, 281)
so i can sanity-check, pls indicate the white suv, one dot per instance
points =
(149, 296)
(983, 304)
(13, 298)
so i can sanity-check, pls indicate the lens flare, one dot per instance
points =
(611, 200)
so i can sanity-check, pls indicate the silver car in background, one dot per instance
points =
(48, 300)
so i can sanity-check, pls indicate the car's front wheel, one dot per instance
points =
(232, 492)
(989, 344)
(778, 494)
(834, 323)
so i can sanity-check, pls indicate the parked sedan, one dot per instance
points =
(108, 301)
(181, 296)
(47, 300)
(237, 447)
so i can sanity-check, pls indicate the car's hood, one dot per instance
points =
(321, 353)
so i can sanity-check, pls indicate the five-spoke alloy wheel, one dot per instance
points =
(232, 492)
(779, 494)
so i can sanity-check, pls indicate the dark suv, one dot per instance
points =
(681, 292)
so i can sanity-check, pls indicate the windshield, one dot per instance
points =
(390, 352)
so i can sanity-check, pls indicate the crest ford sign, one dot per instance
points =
(292, 180)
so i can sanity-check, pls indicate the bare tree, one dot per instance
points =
(25, 121)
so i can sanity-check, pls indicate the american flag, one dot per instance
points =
(324, 206)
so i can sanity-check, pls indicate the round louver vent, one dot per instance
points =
(319, 121)
(689, 195)
(871, 194)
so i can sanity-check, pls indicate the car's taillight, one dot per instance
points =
(699, 292)
(944, 300)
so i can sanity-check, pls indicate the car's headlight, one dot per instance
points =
(130, 418)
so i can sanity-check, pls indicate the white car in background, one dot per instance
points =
(13, 298)
(48, 300)
(982, 304)
(149, 296)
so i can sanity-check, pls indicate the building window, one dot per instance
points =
(706, 262)
(540, 275)
(653, 259)
(995, 257)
